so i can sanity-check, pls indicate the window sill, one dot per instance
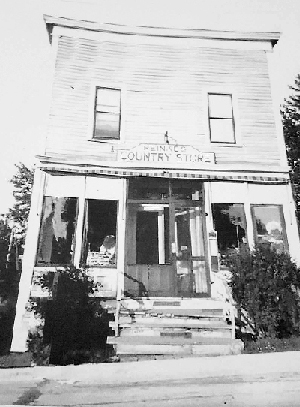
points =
(106, 141)
(236, 145)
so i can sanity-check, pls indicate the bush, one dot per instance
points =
(76, 326)
(266, 285)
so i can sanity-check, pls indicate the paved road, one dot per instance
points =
(242, 380)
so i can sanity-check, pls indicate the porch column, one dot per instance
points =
(21, 324)
(161, 237)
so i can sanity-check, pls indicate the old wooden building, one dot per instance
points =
(163, 151)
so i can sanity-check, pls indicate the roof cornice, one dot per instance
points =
(51, 21)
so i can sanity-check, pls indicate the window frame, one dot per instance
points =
(282, 221)
(37, 262)
(98, 112)
(222, 90)
(227, 118)
(92, 116)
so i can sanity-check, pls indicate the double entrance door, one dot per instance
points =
(166, 246)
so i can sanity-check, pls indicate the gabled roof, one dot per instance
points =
(51, 21)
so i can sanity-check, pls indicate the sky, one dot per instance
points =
(26, 67)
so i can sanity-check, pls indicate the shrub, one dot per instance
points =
(76, 326)
(266, 285)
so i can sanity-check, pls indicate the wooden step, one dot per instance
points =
(208, 313)
(165, 331)
(131, 346)
(127, 322)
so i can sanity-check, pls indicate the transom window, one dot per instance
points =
(221, 121)
(107, 114)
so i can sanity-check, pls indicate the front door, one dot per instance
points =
(190, 251)
(165, 239)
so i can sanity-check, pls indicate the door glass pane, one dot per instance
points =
(56, 240)
(190, 251)
(99, 235)
(187, 189)
(149, 225)
(148, 189)
(269, 226)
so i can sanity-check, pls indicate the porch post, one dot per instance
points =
(21, 324)
(161, 237)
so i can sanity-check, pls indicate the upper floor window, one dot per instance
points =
(221, 121)
(107, 114)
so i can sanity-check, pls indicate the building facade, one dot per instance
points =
(163, 152)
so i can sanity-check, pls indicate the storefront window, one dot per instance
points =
(230, 225)
(56, 240)
(99, 233)
(269, 226)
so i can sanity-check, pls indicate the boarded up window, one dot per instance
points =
(57, 233)
(107, 114)
(221, 122)
(99, 239)
(269, 226)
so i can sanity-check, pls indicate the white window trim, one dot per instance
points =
(91, 119)
(236, 117)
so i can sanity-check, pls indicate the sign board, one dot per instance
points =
(165, 153)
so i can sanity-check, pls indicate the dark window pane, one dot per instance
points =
(230, 225)
(107, 126)
(269, 226)
(148, 188)
(187, 189)
(56, 241)
(99, 248)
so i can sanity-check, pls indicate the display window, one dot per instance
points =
(56, 243)
(269, 226)
(230, 225)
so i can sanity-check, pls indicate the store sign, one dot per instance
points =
(165, 153)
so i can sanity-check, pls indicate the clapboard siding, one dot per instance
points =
(166, 90)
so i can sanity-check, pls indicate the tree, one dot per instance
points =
(22, 182)
(290, 112)
(13, 227)
(266, 284)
